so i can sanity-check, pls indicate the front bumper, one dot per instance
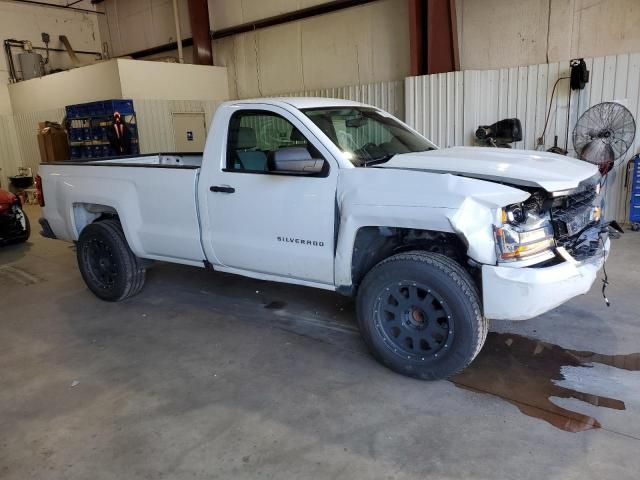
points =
(511, 293)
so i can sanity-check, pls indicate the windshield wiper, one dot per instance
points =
(376, 161)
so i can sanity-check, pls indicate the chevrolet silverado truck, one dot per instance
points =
(342, 196)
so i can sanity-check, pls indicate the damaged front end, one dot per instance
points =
(547, 228)
(577, 222)
(549, 249)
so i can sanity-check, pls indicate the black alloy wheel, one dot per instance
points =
(415, 321)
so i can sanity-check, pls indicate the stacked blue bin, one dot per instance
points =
(634, 207)
(89, 124)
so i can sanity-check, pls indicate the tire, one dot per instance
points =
(420, 315)
(107, 264)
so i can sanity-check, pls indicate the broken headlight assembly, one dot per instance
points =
(523, 234)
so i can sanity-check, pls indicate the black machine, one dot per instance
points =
(501, 133)
(579, 74)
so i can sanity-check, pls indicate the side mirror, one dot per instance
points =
(294, 160)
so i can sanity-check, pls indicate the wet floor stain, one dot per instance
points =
(275, 305)
(524, 372)
(12, 275)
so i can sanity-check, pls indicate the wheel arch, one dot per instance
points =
(86, 213)
(373, 244)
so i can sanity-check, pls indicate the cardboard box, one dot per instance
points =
(53, 142)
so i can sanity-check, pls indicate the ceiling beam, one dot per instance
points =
(55, 5)
(301, 14)
(304, 13)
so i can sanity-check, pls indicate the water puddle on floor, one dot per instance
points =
(525, 372)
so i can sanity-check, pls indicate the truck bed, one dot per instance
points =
(154, 195)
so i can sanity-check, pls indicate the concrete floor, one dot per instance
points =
(195, 378)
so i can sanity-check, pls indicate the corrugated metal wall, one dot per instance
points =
(388, 96)
(448, 107)
(155, 121)
(10, 158)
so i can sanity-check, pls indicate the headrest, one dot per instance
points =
(246, 138)
(296, 136)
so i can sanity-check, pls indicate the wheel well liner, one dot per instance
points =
(374, 244)
(87, 213)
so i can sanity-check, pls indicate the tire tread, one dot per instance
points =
(460, 278)
(133, 266)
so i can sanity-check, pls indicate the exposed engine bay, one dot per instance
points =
(574, 222)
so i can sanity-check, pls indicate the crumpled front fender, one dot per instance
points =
(474, 221)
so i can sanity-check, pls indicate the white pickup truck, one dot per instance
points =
(342, 196)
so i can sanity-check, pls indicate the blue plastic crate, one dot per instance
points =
(124, 106)
(76, 134)
(71, 111)
(634, 203)
(102, 108)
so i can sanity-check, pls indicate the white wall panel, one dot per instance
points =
(449, 116)
(155, 121)
(10, 158)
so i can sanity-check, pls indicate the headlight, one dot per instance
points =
(523, 234)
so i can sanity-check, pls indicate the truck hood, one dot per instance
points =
(527, 168)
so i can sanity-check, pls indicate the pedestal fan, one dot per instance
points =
(603, 134)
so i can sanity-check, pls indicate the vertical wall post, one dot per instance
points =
(417, 37)
(433, 36)
(201, 32)
(442, 36)
(176, 19)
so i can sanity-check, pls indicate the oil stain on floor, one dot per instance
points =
(525, 372)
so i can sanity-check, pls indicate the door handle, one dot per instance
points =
(223, 189)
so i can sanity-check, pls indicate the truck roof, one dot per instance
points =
(302, 102)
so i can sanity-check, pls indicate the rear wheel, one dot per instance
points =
(108, 266)
(420, 315)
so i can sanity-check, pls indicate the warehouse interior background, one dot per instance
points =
(207, 372)
(506, 49)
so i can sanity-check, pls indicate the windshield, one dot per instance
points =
(365, 135)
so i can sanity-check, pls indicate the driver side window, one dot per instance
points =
(255, 134)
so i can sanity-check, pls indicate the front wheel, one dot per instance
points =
(108, 266)
(420, 315)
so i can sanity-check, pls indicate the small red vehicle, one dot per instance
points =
(14, 224)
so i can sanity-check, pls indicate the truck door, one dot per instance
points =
(267, 222)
